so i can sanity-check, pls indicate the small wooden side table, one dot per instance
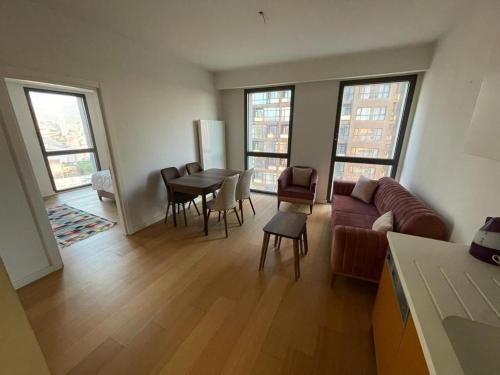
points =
(289, 225)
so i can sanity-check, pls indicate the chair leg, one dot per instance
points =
(276, 241)
(263, 252)
(166, 214)
(178, 208)
(189, 205)
(240, 203)
(310, 208)
(195, 206)
(279, 202)
(279, 242)
(251, 205)
(237, 216)
(304, 235)
(219, 217)
(225, 222)
(184, 211)
(174, 211)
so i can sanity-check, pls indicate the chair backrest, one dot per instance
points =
(169, 174)
(226, 197)
(193, 167)
(243, 186)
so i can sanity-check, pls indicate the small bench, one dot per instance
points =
(289, 225)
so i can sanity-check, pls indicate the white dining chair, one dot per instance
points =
(225, 200)
(243, 190)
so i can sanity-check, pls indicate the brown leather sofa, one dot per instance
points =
(357, 250)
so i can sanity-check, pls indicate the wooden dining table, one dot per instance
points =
(201, 183)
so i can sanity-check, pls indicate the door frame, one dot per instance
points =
(393, 162)
(290, 127)
(46, 153)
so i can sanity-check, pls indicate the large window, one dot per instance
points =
(268, 133)
(63, 128)
(369, 142)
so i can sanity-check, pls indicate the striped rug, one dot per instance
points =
(71, 224)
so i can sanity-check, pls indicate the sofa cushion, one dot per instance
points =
(346, 203)
(364, 189)
(384, 223)
(410, 215)
(351, 219)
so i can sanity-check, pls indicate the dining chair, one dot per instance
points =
(243, 190)
(225, 200)
(193, 167)
(176, 198)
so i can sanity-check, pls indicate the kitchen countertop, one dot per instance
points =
(441, 279)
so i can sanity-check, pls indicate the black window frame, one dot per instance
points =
(46, 154)
(286, 155)
(393, 162)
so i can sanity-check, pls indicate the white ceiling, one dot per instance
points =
(226, 34)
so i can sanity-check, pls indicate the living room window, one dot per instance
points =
(267, 150)
(370, 142)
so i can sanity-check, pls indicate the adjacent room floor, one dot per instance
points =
(85, 199)
(170, 300)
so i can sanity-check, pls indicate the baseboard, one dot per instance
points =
(19, 283)
(140, 226)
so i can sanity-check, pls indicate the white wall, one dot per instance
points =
(149, 103)
(21, 247)
(401, 60)
(28, 130)
(462, 187)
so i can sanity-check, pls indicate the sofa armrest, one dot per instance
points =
(358, 252)
(343, 187)
(285, 179)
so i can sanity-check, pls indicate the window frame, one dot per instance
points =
(276, 155)
(392, 162)
(46, 154)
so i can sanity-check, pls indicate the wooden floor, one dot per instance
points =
(85, 199)
(172, 301)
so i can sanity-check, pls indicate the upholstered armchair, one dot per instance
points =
(304, 193)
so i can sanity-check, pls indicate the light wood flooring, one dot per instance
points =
(171, 301)
(85, 199)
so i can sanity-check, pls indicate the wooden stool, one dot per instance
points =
(289, 225)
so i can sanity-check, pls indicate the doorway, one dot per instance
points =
(370, 125)
(66, 142)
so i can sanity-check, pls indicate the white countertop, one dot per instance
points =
(442, 279)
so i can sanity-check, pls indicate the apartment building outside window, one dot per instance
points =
(374, 91)
(370, 127)
(268, 130)
(370, 113)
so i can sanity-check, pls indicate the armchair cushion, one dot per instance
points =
(298, 192)
(301, 176)
(359, 252)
